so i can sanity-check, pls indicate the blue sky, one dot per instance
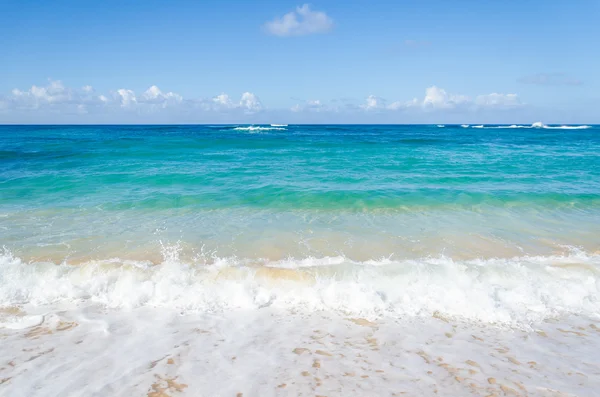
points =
(397, 61)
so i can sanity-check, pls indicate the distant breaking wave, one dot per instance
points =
(257, 128)
(534, 125)
(567, 127)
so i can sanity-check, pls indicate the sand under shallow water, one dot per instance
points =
(92, 351)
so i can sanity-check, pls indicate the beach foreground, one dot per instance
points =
(270, 352)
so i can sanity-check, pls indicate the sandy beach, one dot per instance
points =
(157, 353)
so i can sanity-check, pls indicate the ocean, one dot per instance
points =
(230, 260)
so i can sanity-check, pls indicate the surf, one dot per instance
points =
(514, 291)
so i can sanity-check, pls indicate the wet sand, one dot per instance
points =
(93, 351)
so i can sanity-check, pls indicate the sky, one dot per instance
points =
(400, 61)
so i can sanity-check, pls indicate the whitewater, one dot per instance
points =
(419, 328)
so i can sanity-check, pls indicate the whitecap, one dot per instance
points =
(259, 128)
(567, 127)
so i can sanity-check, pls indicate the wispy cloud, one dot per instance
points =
(248, 102)
(300, 22)
(311, 105)
(374, 102)
(495, 100)
(436, 99)
(550, 79)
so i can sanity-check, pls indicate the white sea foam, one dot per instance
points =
(269, 352)
(441, 126)
(513, 126)
(515, 291)
(465, 125)
(22, 322)
(383, 324)
(568, 127)
(257, 128)
(291, 263)
(537, 124)
(279, 125)
(534, 125)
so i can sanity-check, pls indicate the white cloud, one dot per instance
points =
(438, 98)
(302, 21)
(223, 100)
(56, 99)
(54, 93)
(373, 103)
(250, 102)
(126, 97)
(152, 93)
(155, 96)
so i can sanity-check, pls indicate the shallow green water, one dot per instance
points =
(358, 191)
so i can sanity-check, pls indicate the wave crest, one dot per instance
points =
(534, 125)
(260, 128)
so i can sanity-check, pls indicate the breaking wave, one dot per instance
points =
(517, 291)
(534, 125)
(260, 128)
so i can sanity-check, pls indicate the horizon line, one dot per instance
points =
(271, 124)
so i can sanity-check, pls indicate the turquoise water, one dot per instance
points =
(361, 191)
(357, 168)
(484, 223)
